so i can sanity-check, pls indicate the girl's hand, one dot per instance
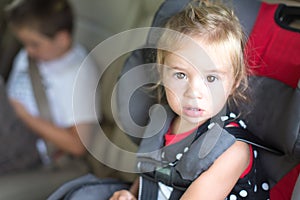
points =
(123, 195)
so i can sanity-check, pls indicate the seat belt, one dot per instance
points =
(44, 148)
(39, 91)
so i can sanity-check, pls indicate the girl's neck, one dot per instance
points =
(179, 125)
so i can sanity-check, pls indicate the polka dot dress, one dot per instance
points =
(253, 185)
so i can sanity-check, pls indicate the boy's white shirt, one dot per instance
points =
(59, 77)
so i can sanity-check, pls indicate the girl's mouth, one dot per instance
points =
(193, 111)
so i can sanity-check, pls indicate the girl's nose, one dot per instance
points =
(196, 88)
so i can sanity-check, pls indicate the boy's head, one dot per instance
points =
(217, 29)
(44, 26)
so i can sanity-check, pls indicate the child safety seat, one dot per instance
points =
(273, 50)
(274, 113)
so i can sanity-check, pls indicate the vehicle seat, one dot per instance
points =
(276, 102)
(273, 52)
(95, 21)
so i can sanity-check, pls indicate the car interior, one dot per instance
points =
(98, 21)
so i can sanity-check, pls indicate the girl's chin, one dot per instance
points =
(193, 122)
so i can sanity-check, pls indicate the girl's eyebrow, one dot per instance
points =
(174, 66)
(217, 71)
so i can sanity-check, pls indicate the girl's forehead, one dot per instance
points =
(195, 48)
(199, 59)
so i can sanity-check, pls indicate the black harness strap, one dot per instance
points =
(245, 136)
(148, 187)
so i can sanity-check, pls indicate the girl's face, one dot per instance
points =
(41, 47)
(197, 84)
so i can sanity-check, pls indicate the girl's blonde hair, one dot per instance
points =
(216, 26)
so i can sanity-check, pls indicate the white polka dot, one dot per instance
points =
(243, 124)
(243, 193)
(232, 197)
(178, 156)
(163, 154)
(255, 188)
(211, 125)
(139, 165)
(224, 118)
(249, 182)
(265, 186)
(255, 153)
(232, 115)
(186, 149)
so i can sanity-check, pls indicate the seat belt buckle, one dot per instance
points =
(43, 152)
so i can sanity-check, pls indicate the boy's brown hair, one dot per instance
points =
(48, 17)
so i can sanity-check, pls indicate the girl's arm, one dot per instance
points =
(220, 178)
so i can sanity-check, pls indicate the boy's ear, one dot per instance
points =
(63, 38)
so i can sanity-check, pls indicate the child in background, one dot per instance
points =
(199, 153)
(45, 29)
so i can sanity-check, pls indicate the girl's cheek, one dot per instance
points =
(218, 97)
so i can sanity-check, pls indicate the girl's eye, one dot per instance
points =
(180, 75)
(211, 78)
